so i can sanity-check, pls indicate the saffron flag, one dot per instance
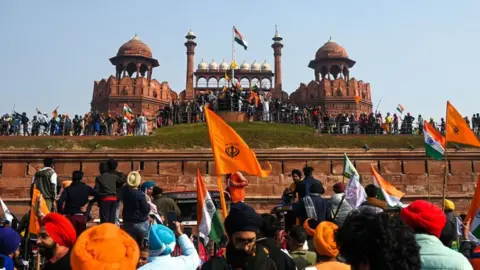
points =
(55, 112)
(457, 129)
(34, 224)
(354, 193)
(434, 142)
(230, 151)
(400, 108)
(209, 224)
(227, 78)
(239, 38)
(391, 195)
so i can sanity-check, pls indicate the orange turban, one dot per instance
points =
(309, 225)
(105, 247)
(324, 239)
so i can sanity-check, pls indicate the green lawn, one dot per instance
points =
(257, 135)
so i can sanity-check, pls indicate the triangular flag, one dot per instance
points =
(457, 129)
(209, 224)
(230, 151)
(474, 207)
(391, 195)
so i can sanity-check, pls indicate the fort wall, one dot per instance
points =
(409, 171)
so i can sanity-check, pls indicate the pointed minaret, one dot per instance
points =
(277, 53)
(190, 44)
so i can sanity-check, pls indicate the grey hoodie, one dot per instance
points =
(343, 211)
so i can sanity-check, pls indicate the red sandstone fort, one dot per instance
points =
(332, 88)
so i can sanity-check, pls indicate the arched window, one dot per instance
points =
(245, 83)
(255, 81)
(202, 82)
(212, 83)
(266, 84)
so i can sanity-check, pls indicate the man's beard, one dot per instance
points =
(237, 257)
(47, 252)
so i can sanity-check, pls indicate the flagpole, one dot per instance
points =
(445, 175)
(233, 57)
(222, 196)
(428, 180)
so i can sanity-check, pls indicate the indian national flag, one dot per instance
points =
(239, 38)
(434, 142)
(209, 224)
(127, 112)
(400, 108)
(391, 195)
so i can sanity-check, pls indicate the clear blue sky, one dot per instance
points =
(417, 53)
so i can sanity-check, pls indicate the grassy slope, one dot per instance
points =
(257, 135)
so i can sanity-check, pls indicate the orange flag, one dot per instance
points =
(34, 224)
(457, 128)
(230, 152)
(474, 203)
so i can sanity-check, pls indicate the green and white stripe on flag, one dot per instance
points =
(208, 221)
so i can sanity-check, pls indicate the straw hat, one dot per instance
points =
(134, 179)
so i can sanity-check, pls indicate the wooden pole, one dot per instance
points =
(38, 262)
(444, 190)
(428, 181)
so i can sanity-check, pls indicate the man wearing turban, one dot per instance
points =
(9, 247)
(326, 247)
(427, 222)
(105, 247)
(242, 226)
(55, 240)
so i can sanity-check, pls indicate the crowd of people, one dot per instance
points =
(315, 233)
(258, 105)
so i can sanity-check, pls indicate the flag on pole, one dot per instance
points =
(230, 151)
(457, 129)
(391, 195)
(348, 168)
(8, 215)
(473, 211)
(240, 39)
(227, 78)
(434, 142)
(354, 193)
(34, 224)
(209, 224)
(55, 112)
(127, 112)
(400, 108)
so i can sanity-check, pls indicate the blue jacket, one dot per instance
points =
(434, 255)
(188, 261)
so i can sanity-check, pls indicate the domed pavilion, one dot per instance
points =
(132, 84)
(333, 89)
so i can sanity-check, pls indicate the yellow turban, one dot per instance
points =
(134, 179)
(449, 205)
(66, 183)
(324, 239)
(105, 247)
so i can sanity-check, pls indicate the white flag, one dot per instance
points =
(355, 193)
(8, 214)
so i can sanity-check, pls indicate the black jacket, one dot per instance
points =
(135, 206)
(261, 261)
(281, 259)
(74, 197)
(323, 209)
(106, 184)
(303, 187)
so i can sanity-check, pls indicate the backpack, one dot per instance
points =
(301, 263)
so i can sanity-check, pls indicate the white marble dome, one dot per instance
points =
(202, 66)
(245, 66)
(213, 66)
(255, 66)
(266, 66)
(224, 65)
